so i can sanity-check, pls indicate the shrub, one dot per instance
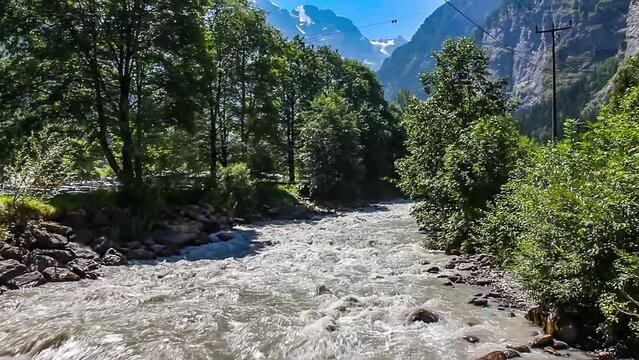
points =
(235, 191)
(569, 222)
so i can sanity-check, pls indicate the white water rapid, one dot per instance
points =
(332, 288)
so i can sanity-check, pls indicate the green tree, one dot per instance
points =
(331, 154)
(461, 144)
(119, 69)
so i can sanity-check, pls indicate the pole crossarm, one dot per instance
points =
(552, 31)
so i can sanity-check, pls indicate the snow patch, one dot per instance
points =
(304, 18)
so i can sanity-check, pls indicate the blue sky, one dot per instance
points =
(364, 12)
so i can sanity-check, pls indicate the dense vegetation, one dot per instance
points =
(203, 94)
(563, 216)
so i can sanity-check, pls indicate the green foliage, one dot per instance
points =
(461, 144)
(235, 191)
(331, 154)
(24, 209)
(567, 223)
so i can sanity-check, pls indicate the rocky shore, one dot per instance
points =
(560, 330)
(75, 246)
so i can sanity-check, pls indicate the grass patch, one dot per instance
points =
(95, 200)
(25, 208)
(276, 195)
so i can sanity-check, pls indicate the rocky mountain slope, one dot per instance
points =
(401, 70)
(324, 27)
(603, 32)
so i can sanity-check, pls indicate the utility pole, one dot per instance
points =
(552, 31)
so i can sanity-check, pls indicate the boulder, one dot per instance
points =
(551, 350)
(101, 245)
(560, 345)
(467, 266)
(141, 254)
(133, 244)
(11, 268)
(50, 240)
(433, 269)
(81, 251)
(37, 262)
(85, 236)
(14, 252)
(422, 315)
(511, 354)
(30, 279)
(55, 228)
(113, 258)
(63, 256)
(495, 355)
(57, 274)
(478, 302)
(173, 238)
(471, 339)
(483, 281)
(3, 289)
(542, 342)
(210, 225)
(25, 240)
(85, 268)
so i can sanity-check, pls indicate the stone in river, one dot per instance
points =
(11, 268)
(55, 274)
(479, 302)
(471, 339)
(113, 258)
(433, 269)
(30, 279)
(511, 354)
(542, 342)
(423, 315)
(495, 355)
(85, 268)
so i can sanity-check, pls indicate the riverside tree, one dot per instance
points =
(461, 143)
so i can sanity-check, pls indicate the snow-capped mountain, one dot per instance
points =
(324, 27)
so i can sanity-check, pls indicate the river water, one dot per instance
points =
(331, 288)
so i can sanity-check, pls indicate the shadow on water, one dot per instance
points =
(241, 243)
(238, 243)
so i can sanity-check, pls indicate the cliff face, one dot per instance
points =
(598, 33)
(632, 31)
(402, 69)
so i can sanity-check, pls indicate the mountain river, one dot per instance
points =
(330, 288)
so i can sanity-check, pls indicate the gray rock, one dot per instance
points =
(85, 268)
(433, 269)
(55, 228)
(80, 251)
(483, 281)
(113, 258)
(30, 279)
(10, 269)
(162, 250)
(51, 241)
(467, 267)
(423, 315)
(101, 245)
(14, 252)
(173, 238)
(479, 302)
(63, 256)
(471, 339)
(38, 262)
(511, 354)
(56, 274)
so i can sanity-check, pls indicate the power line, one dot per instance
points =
(490, 35)
(391, 21)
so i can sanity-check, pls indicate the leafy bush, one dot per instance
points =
(331, 154)
(569, 222)
(235, 191)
